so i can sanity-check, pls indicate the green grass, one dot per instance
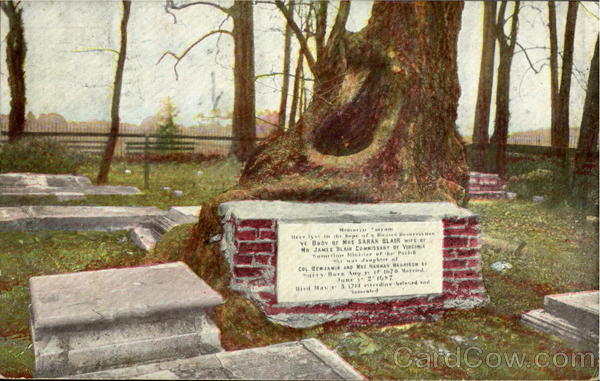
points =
(217, 176)
(561, 254)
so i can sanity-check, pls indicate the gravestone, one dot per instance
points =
(299, 360)
(78, 218)
(147, 234)
(62, 187)
(305, 264)
(97, 320)
(572, 316)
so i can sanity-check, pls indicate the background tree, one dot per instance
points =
(553, 67)
(16, 49)
(507, 48)
(587, 146)
(286, 71)
(486, 83)
(116, 99)
(244, 115)
(560, 134)
(381, 124)
(167, 126)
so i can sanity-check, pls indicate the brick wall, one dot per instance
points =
(250, 247)
(486, 186)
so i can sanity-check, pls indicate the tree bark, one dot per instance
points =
(588, 132)
(116, 99)
(486, 82)
(561, 138)
(383, 109)
(244, 122)
(507, 47)
(16, 49)
(295, 92)
(286, 71)
(553, 70)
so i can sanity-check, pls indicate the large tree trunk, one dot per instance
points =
(561, 138)
(116, 99)
(486, 82)
(380, 127)
(286, 71)
(244, 122)
(383, 108)
(553, 68)
(507, 47)
(588, 132)
(15, 61)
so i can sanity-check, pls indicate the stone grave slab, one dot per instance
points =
(96, 320)
(572, 316)
(148, 233)
(78, 218)
(301, 360)
(305, 264)
(62, 187)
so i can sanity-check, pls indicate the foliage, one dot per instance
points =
(167, 127)
(39, 155)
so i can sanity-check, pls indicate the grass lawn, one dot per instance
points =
(215, 177)
(560, 254)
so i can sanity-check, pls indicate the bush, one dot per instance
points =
(39, 155)
(550, 183)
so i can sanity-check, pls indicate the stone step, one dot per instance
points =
(79, 218)
(300, 360)
(582, 339)
(578, 308)
(95, 320)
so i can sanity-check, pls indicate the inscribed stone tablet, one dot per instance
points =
(331, 261)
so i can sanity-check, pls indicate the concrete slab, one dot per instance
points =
(572, 316)
(79, 218)
(147, 235)
(95, 320)
(300, 360)
(19, 185)
(578, 308)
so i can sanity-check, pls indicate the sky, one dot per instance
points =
(63, 76)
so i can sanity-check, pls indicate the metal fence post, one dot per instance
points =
(146, 162)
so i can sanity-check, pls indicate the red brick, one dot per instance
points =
(454, 264)
(267, 296)
(262, 259)
(255, 247)
(466, 230)
(453, 253)
(473, 262)
(267, 234)
(273, 260)
(247, 272)
(257, 224)
(453, 222)
(455, 242)
(473, 242)
(242, 259)
(246, 235)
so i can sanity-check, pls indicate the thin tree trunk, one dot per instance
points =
(244, 116)
(553, 71)
(286, 70)
(507, 47)
(295, 94)
(16, 50)
(561, 140)
(486, 82)
(588, 132)
(116, 99)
